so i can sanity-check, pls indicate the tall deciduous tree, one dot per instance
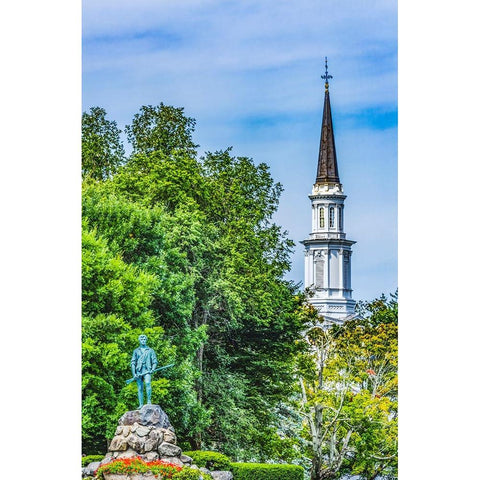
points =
(102, 149)
(203, 228)
(348, 381)
(237, 257)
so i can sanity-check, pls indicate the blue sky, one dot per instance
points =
(250, 73)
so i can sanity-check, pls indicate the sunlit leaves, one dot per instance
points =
(102, 149)
(349, 382)
(161, 128)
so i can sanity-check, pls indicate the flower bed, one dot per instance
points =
(131, 467)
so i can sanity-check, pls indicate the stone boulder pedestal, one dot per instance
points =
(148, 434)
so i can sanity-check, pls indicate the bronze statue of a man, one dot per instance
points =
(143, 363)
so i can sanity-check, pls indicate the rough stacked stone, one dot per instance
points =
(148, 434)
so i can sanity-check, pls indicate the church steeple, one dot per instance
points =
(327, 169)
(328, 251)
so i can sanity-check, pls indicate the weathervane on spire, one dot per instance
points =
(326, 76)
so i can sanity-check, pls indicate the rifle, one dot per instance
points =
(130, 380)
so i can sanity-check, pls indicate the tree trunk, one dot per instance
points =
(194, 443)
(316, 469)
(376, 474)
(319, 473)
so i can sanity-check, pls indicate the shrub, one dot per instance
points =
(210, 460)
(266, 471)
(190, 474)
(91, 458)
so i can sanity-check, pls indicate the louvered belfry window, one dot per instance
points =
(322, 217)
(332, 217)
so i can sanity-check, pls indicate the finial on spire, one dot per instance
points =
(326, 76)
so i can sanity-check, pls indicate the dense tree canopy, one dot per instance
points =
(199, 233)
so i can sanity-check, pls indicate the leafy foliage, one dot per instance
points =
(163, 128)
(210, 460)
(380, 310)
(266, 471)
(116, 309)
(191, 474)
(348, 380)
(91, 458)
(102, 149)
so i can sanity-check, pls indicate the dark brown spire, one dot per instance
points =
(327, 170)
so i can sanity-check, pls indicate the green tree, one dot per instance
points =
(102, 149)
(203, 228)
(348, 380)
(238, 258)
(161, 128)
(116, 309)
(380, 310)
(143, 236)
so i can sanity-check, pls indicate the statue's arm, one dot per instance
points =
(154, 360)
(133, 363)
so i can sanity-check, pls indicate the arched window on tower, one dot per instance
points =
(322, 217)
(340, 218)
(331, 221)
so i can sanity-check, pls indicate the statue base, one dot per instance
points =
(148, 434)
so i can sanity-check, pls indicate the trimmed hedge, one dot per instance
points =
(91, 458)
(266, 471)
(210, 460)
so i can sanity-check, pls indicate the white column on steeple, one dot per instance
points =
(341, 285)
(307, 268)
(327, 216)
(349, 271)
(326, 271)
(313, 218)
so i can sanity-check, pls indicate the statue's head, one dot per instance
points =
(142, 339)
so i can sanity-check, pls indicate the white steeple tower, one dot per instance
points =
(327, 251)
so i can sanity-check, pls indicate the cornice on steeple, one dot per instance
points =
(327, 169)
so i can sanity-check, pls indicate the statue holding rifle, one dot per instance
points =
(144, 364)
